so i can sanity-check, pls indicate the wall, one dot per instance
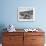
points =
(8, 15)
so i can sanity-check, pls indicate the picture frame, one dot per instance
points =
(26, 14)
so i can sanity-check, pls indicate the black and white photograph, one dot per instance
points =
(26, 14)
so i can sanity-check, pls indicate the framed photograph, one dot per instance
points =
(26, 14)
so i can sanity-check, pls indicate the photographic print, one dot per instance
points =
(26, 14)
